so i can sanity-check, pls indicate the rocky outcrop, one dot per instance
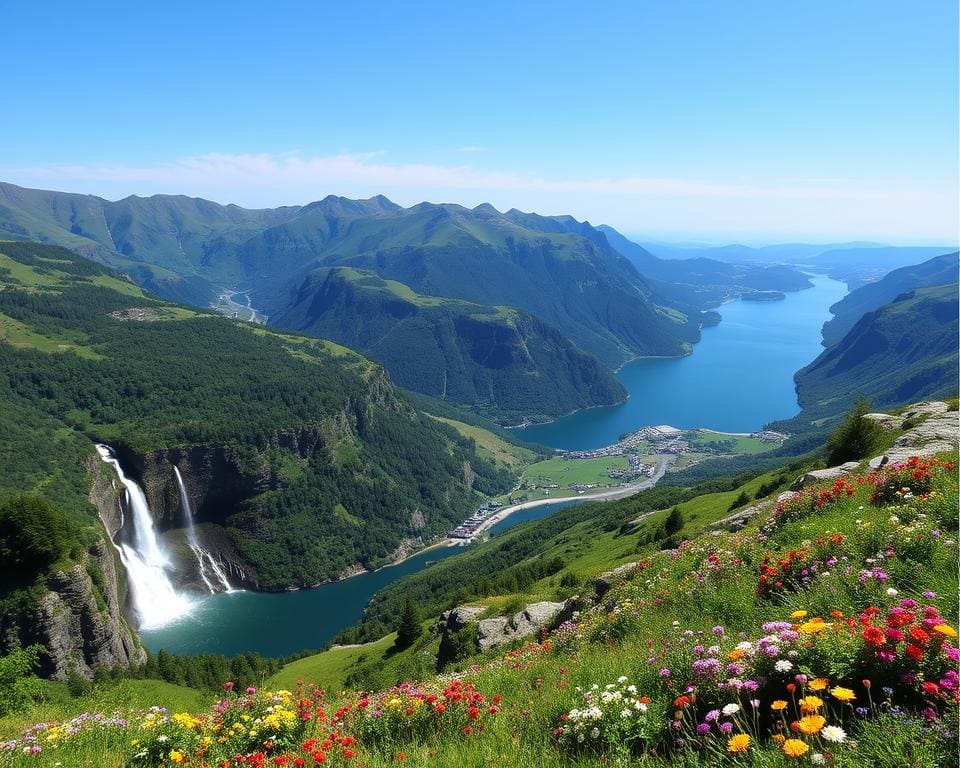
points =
(739, 519)
(822, 475)
(606, 581)
(79, 620)
(937, 433)
(501, 630)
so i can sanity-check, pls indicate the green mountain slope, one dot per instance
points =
(496, 360)
(904, 351)
(939, 270)
(303, 459)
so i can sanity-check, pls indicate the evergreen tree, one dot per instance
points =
(855, 438)
(409, 629)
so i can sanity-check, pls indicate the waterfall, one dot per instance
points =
(155, 600)
(203, 557)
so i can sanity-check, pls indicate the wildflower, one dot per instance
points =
(834, 733)
(817, 758)
(798, 615)
(739, 743)
(783, 665)
(811, 724)
(843, 694)
(177, 756)
(731, 709)
(818, 684)
(703, 729)
(810, 703)
(795, 748)
(778, 705)
(945, 630)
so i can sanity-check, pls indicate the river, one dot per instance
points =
(739, 377)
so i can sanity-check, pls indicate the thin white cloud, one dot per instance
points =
(671, 207)
(289, 170)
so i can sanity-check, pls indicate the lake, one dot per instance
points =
(739, 377)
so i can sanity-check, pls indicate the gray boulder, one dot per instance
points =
(501, 630)
(822, 475)
(605, 581)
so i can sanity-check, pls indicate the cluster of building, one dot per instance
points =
(469, 527)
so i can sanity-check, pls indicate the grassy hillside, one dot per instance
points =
(88, 356)
(493, 359)
(821, 632)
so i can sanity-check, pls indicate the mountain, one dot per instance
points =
(492, 358)
(703, 282)
(560, 271)
(904, 351)
(939, 270)
(300, 458)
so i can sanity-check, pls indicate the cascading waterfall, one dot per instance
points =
(204, 558)
(155, 600)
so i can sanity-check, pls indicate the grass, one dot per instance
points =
(330, 668)
(17, 334)
(741, 443)
(491, 446)
(564, 472)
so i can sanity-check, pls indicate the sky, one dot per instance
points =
(684, 120)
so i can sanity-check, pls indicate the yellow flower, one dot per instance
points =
(843, 694)
(810, 703)
(794, 748)
(778, 705)
(814, 626)
(798, 615)
(735, 654)
(818, 684)
(779, 738)
(811, 724)
(185, 720)
(946, 630)
(739, 743)
(177, 757)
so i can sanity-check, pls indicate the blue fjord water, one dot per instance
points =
(739, 377)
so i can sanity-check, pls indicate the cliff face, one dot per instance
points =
(79, 619)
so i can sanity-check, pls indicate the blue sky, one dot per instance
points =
(713, 121)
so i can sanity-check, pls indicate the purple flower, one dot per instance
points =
(712, 715)
(664, 672)
(703, 729)
(726, 727)
(929, 595)
(718, 630)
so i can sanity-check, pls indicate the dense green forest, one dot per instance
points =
(90, 357)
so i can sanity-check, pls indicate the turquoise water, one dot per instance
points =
(739, 377)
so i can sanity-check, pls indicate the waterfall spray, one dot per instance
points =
(155, 600)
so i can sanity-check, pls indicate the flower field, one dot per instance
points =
(823, 633)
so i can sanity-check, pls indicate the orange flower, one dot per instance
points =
(795, 748)
(778, 705)
(818, 684)
(739, 743)
(811, 724)
(810, 703)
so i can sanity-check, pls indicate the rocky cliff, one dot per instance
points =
(79, 619)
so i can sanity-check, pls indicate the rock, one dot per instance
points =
(937, 434)
(450, 623)
(786, 496)
(821, 475)
(885, 420)
(501, 630)
(606, 580)
(739, 518)
(926, 408)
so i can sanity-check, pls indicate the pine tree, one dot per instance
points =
(409, 629)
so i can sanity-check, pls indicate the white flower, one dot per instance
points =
(631, 689)
(580, 738)
(891, 592)
(834, 733)
(622, 679)
(625, 713)
(783, 666)
(745, 646)
(818, 759)
(731, 709)
(594, 733)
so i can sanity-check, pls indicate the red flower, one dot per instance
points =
(931, 689)
(874, 636)
(915, 652)
(918, 635)
(473, 713)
